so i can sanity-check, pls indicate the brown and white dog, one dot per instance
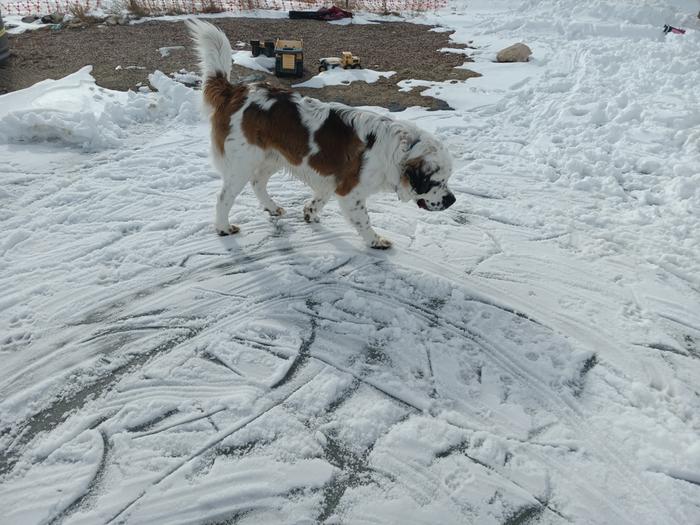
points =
(258, 130)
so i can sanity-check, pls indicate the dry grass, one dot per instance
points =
(115, 8)
(250, 5)
(79, 11)
(142, 8)
(139, 8)
(212, 6)
(175, 8)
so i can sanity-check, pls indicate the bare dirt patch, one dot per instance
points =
(123, 56)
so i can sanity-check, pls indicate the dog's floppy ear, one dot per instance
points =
(415, 175)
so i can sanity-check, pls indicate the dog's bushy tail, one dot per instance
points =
(213, 48)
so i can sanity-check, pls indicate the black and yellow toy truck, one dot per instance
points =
(289, 58)
(347, 61)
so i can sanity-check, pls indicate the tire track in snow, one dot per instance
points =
(567, 407)
(337, 488)
(212, 443)
(265, 303)
(93, 486)
(302, 357)
(58, 411)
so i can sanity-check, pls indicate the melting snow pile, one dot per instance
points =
(75, 111)
(258, 63)
(339, 76)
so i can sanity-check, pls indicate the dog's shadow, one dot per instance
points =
(279, 240)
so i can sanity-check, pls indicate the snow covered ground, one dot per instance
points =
(531, 355)
(339, 76)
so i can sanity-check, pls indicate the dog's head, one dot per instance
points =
(426, 169)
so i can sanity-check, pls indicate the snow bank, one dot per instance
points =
(75, 111)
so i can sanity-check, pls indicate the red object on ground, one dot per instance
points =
(324, 13)
(333, 13)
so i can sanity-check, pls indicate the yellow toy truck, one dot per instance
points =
(347, 61)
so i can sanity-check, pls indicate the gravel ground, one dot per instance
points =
(409, 49)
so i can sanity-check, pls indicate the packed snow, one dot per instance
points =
(258, 63)
(531, 355)
(342, 77)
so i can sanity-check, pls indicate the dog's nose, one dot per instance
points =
(448, 200)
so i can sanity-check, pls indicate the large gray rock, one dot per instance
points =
(515, 53)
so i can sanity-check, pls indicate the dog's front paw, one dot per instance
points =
(227, 230)
(277, 212)
(380, 243)
(310, 214)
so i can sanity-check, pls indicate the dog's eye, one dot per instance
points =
(420, 181)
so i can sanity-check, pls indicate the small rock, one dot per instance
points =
(165, 51)
(30, 19)
(112, 20)
(515, 53)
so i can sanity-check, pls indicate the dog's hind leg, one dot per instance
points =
(313, 206)
(233, 184)
(355, 212)
(259, 184)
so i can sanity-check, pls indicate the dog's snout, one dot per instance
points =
(448, 200)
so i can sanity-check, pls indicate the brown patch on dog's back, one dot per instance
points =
(225, 98)
(279, 128)
(340, 153)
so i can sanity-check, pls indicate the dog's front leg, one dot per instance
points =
(313, 207)
(355, 212)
